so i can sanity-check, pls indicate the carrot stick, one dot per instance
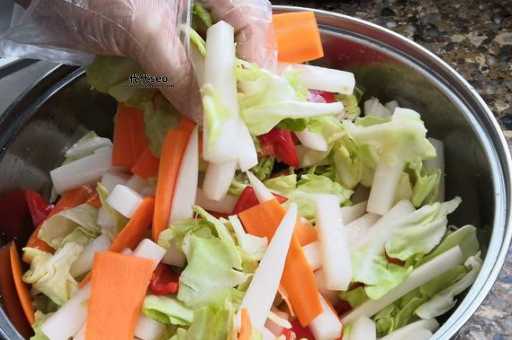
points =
(297, 36)
(146, 165)
(129, 137)
(134, 231)
(306, 233)
(21, 287)
(298, 279)
(118, 287)
(174, 146)
(131, 235)
(140, 141)
(69, 199)
(95, 201)
(245, 326)
(10, 301)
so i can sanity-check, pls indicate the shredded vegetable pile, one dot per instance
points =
(294, 210)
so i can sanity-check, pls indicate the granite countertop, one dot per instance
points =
(474, 37)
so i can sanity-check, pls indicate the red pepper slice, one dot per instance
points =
(300, 332)
(279, 143)
(322, 96)
(39, 208)
(165, 281)
(248, 200)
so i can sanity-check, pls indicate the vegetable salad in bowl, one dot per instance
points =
(294, 210)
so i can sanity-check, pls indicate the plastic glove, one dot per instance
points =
(146, 31)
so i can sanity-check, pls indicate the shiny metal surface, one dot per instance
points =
(38, 127)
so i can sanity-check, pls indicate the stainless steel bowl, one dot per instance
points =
(43, 122)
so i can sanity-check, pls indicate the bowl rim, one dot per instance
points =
(481, 120)
(488, 131)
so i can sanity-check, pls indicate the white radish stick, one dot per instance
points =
(358, 231)
(312, 254)
(219, 73)
(248, 157)
(418, 330)
(149, 329)
(186, 184)
(385, 182)
(421, 275)
(326, 326)
(437, 163)
(261, 191)
(82, 171)
(312, 140)
(217, 179)
(112, 178)
(81, 334)
(105, 219)
(334, 250)
(149, 250)
(329, 295)
(174, 256)
(353, 212)
(225, 205)
(363, 328)
(263, 288)
(124, 200)
(136, 183)
(324, 79)
(68, 319)
(84, 262)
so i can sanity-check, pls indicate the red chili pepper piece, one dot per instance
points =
(38, 206)
(342, 307)
(279, 143)
(322, 96)
(300, 332)
(248, 200)
(165, 280)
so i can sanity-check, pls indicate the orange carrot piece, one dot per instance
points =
(118, 287)
(94, 201)
(69, 199)
(21, 287)
(123, 154)
(297, 36)
(174, 146)
(146, 165)
(136, 229)
(245, 326)
(298, 279)
(140, 141)
(10, 299)
(306, 233)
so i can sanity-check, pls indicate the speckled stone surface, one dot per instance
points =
(475, 37)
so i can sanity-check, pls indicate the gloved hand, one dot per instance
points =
(148, 32)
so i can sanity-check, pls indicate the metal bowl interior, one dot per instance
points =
(37, 128)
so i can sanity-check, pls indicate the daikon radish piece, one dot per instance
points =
(83, 263)
(324, 79)
(124, 200)
(217, 179)
(82, 171)
(353, 212)
(312, 253)
(312, 140)
(419, 330)
(136, 183)
(149, 250)
(326, 326)
(329, 295)
(363, 329)
(225, 205)
(149, 329)
(263, 288)
(112, 178)
(174, 256)
(263, 194)
(358, 231)
(334, 249)
(68, 319)
(186, 184)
